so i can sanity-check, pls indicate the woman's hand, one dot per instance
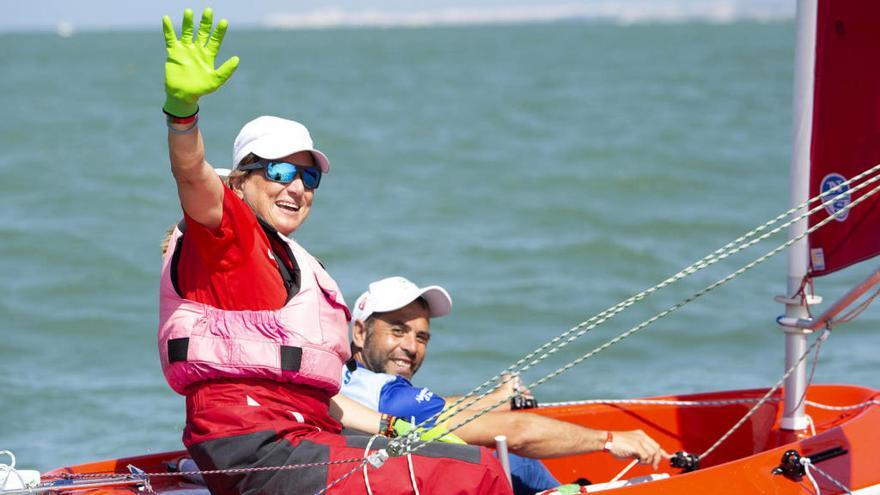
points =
(189, 68)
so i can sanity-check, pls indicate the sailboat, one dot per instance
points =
(794, 437)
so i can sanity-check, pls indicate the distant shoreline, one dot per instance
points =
(608, 12)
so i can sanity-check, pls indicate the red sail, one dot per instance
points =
(846, 131)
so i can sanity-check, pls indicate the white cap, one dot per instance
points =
(393, 293)
(272, 138)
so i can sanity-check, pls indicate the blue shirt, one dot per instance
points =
(391, 394)
(396, 396)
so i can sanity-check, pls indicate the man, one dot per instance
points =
(390, 334)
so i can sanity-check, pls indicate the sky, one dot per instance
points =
(71, 15)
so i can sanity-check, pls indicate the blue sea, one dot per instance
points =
(539, 172)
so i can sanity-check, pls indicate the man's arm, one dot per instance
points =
(353, 414)
(531, 435)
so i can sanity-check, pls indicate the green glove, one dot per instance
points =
(439, 433)
(189, 68)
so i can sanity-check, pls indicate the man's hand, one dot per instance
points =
(438, 433)
(189, 68)
(639, 445)
(506, 390)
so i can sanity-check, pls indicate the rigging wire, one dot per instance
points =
(808, 466)
(821, 338)
(703, 403)
(851, 315)
(419, 443)
(411, 444)
(341, 478)
(729, 249)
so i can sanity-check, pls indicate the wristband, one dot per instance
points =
(386, 426)
(609, 442)
(181, 120)
(192, 120)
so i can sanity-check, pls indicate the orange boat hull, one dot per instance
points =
(742, 464)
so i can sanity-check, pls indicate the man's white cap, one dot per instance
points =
(393, 293)
(272, 138)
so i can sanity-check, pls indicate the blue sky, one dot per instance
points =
(107, 14)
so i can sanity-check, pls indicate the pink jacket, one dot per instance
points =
(305, 342)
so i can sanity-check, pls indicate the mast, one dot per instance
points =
(798, 256)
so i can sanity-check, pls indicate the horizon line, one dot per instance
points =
(610, 12)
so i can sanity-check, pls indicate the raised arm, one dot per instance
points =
(190, 74)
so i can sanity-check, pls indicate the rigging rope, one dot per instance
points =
(821, 338)
(808, 466)
(411, 443)
(419, 443)
(341, 478)
(704, 403)
(366, 453)
(729, 249)
(851, 315)
(285, 467)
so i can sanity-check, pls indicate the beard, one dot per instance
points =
(392, 363)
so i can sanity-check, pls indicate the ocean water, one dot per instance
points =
(540, 172)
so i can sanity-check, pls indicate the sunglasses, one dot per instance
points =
(285, 172)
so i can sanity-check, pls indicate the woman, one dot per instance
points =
(252, 329)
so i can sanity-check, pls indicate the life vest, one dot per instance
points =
(305, 341)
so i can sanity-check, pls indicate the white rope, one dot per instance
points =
(675, 307)
(366, 454)
(656, 402)
(808, 465)
(703, 403)
(409, 463)
(624, 470)
(766, 396)
(9, 470)
(339, 479)
(812, 424)
(524, 364)
(669, 310)
(412, 473)
(872, 402)
(716, 256)
(805, 461)
(851, 315)
(586, 326)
